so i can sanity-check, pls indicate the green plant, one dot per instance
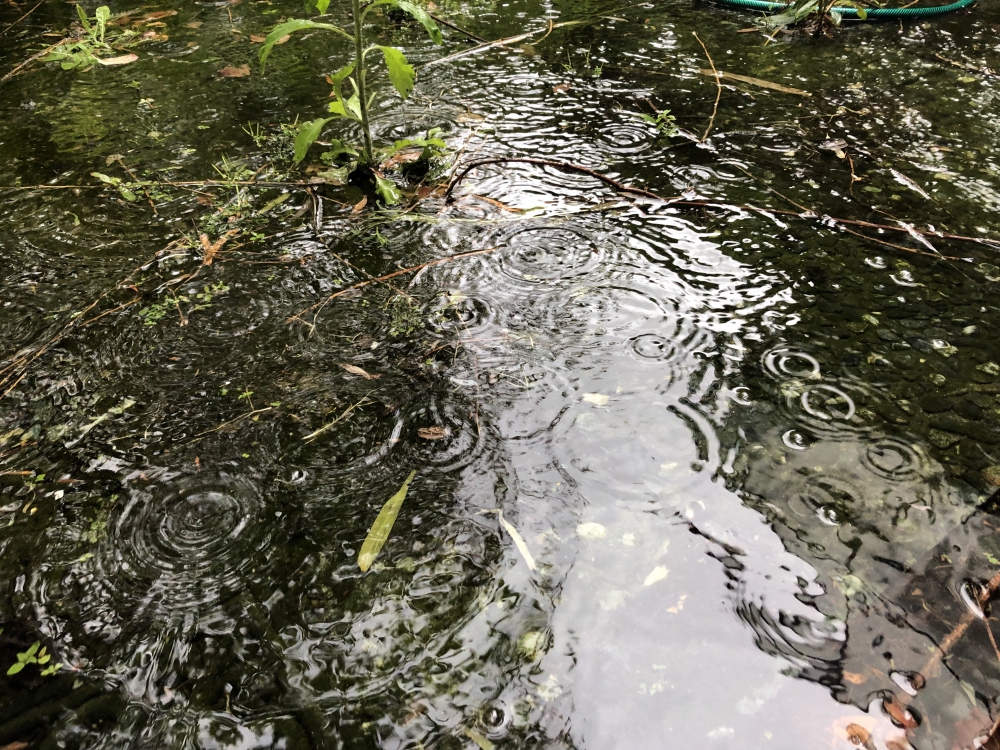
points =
(83, 52)
(588, 68)
(355, 106)
(34, 655)
(665, 123)
(814, 15)
(404, 317)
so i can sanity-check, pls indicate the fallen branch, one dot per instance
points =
(952, 638)
(500, 43)
(459, 29)
(11, 26)
(805, 213)
(224, 425)
(718, 87)
(316, 433)
(17, 366)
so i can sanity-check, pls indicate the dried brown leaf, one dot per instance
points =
(897, 711)
(854, 678)
(858, 735)
(258, 38)
(121, 60)
(235, 72)
(359, 206)
(562, 88)
(400, 158)
(355, 370)
(155, 16)
(432, 433)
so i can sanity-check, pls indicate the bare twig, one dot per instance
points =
(952, 638)
(234, 421)
(803, 213)
(315, 434)
(459, 29)
(11, 26)
(36, 56)
(718, 87)
(499, 43)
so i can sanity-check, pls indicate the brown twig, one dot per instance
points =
(36, 56)
(348, 263)
(718, 87)
(498, 43)
(11, 26)
(803, 213)
(952, 638)
(411, 269)
(17, 367)
(459, 29)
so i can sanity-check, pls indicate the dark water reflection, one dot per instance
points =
(748, 459)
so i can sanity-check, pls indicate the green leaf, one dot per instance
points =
(289, 27)
(401, 73)
(83, 18)
(15, 668)
(423, 17)
(349, 108)
(387, 191)
(379, 532)
(308, 133)
(337, 149)
(322, 5)
(127, 194)
(103, 15)
(33, 649)
(104, 178)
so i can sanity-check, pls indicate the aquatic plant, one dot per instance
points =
(355, 106)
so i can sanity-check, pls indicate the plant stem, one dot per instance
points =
(369, 153)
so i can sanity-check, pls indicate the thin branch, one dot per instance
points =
(952, 638)
(233, 421)
(804, 213)
(22, 17)
(459, 29)
(316, 433)
(499, 43)
(718, 87)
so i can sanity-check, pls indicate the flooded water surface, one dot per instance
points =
(697, 474)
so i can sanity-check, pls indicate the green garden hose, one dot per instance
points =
(873, 14)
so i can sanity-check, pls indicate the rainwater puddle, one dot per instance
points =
(745, 462)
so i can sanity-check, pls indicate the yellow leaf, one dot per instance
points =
(379, 532)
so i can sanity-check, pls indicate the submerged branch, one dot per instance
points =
(718, 88)
(804, 213)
